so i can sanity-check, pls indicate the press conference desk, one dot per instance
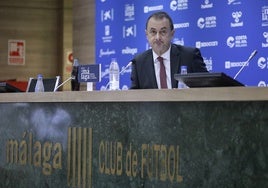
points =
(150, 95)
(207, 137)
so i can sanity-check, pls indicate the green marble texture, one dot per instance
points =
(221, 144)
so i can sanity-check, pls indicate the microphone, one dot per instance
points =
(125, 68)
(246, 63)
(70, 78)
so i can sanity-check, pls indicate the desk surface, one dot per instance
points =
(150, 95)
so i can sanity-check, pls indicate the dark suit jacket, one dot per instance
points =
(143, 73)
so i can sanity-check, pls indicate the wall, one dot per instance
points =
(47, 27)
(84, 31)
(67, 41)
(40, 24)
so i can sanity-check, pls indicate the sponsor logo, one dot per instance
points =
(234, 2)
(105, 73)
(208, 62)
(230, 64)
(237, 41)
(262, 84)
(178, 5)
(206, 5)
(181, 25)
(129, 50)
(265, 16)
(207, 22)
(237, 23)
(178, 41)
(265, 44)
(125, 87)
(148, 9)
(107, 38)
(107, 15)
(106, 52)
(200, 44)
(129, 12)
(129, 31)
(263, 62)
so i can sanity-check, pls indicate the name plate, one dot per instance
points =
(89, 73)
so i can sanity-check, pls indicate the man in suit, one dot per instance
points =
(164, 58)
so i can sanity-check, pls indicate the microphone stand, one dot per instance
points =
(246, 63)
(70, 78)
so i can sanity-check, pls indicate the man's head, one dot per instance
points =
(159, 32)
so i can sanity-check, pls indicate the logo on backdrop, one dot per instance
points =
(263, 62)
(107, 15)
(237, 41)
(179, 5)
(129, 12)
(128, 50)
(207, 22)
(237, 23)
(148, 9)
(130, 31)
(200, 44)
(206, 5)
(107, 32)
(262, 84)
(208, 62)
(230, 64)
(234, 2)
(181, 25)
(178, 41)
(265, 44)
(265, 16)
(106, 52)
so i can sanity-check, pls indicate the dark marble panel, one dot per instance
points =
(134, 144)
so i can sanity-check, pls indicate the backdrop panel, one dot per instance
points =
(226, 32)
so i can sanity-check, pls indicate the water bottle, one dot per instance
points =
(75, 85)
(114, 75)
(181, 84)
(39, 86)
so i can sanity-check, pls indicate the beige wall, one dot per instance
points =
(51, 28)
(36, 23)
(84, 30)
(39, 23)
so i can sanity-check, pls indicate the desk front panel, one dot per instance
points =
(134, 144)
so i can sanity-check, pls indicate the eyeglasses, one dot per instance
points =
(162, 32)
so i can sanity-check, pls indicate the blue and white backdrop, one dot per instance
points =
(226, 32)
